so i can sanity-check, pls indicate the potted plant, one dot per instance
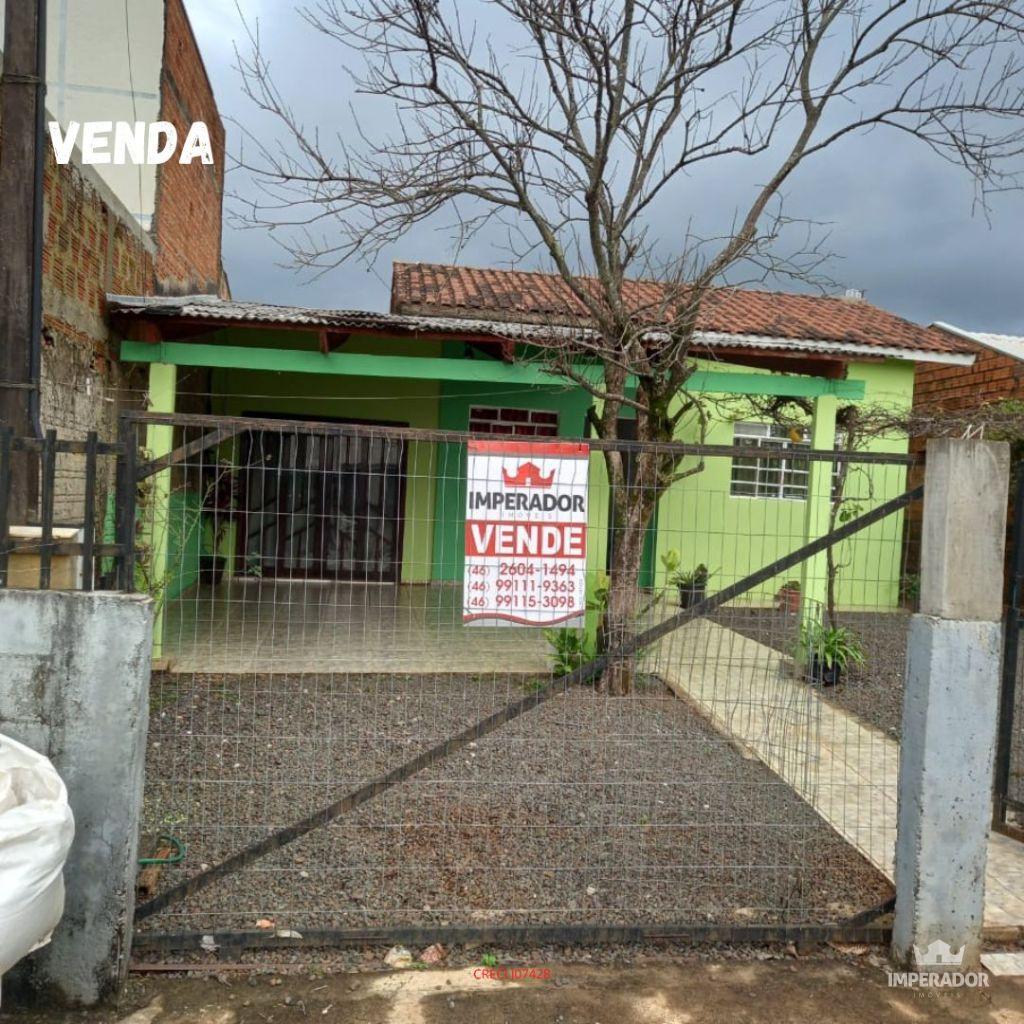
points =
(787, 598)
(827, 651)
(692, 585)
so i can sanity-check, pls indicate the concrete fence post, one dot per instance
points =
(74, 685)
(950, 703)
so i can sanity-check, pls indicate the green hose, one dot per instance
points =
(175, 858)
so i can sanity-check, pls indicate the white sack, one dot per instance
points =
(36, 829)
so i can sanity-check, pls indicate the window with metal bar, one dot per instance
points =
(485, 419)
(780, 472)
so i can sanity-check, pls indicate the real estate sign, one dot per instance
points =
(526, 533)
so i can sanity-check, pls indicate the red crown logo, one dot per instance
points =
(527, 475)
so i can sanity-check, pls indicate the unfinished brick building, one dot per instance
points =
(102, 234)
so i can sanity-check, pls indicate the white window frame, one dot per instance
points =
(774, 439)
(510, 423)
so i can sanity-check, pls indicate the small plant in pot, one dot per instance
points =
(787, 597)
(692, 584)
(828, 651)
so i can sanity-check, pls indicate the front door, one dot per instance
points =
(322, 506)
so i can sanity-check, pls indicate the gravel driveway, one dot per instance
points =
(872, 691)
(586, 809)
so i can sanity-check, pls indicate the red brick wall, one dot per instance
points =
(189, 197)
(88, 247)
(992, 377)
(91, 246)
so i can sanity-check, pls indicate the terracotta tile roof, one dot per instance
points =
(530, 296)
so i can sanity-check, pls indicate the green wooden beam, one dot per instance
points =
(790, 385)
(353, 364)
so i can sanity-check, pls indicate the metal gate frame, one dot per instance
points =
(89, 549)
(860, 927)
(1013, 622)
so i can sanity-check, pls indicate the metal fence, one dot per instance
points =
(335, 756)
(1008, 798)
(79, 551)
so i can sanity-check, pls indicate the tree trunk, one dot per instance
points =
(621, 614)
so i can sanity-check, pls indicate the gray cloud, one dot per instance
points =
(900, 220)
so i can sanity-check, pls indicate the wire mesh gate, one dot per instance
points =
(342, 759)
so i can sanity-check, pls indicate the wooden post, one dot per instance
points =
(21, 113)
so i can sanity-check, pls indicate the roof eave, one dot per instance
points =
(986, 340)
(713, 338)
(165, 308)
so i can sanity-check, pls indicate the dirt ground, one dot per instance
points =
(816, 989)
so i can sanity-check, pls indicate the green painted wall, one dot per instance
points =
(732, 535)
(456, 399)
(735, 536)
(309, 396)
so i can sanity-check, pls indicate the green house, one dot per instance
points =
(457, 352)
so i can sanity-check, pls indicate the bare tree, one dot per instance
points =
(571, 119)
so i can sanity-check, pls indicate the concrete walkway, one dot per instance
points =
(845, 769)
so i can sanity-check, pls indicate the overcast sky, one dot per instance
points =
(901, 220)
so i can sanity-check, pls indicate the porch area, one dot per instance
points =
(269, 626)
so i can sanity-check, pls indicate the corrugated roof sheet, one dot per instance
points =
(208, 308)
(1011, 345)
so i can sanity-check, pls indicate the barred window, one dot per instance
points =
(779, 473)
(486, 419)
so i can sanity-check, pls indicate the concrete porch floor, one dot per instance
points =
(313, 626)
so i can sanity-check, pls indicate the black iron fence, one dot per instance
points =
(82, 552)
(1008, 795)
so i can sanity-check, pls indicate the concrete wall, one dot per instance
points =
(950, 702)
(74, 682)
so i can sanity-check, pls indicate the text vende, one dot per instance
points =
(526, 540)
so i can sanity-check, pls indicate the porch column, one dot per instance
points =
(813, 571)
(163, 388)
